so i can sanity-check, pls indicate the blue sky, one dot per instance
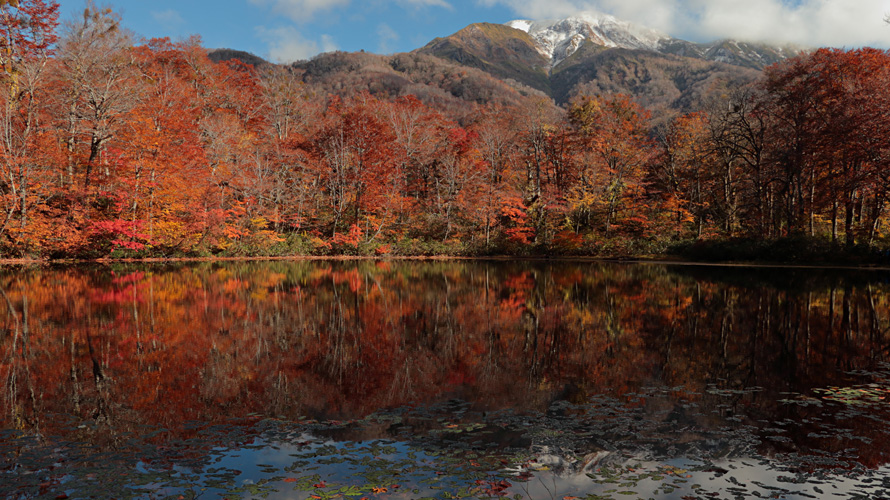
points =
(286, 30)
(300, 29)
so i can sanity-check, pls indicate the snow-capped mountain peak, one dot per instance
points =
(559, 39)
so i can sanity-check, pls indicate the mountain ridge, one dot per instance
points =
(585, 54)
(602, 54)
(558, 39)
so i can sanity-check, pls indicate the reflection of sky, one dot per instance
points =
(670, 479)
(752, 476)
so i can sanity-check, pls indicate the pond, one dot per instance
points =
(468, 379)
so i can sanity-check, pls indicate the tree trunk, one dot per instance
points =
(849, 209)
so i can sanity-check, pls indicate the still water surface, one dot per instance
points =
(444, 380)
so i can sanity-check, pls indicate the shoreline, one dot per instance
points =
(667, 260)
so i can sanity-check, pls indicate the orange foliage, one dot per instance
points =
(161, 346)
(204, 158)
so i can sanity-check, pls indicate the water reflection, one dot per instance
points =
(694, 362)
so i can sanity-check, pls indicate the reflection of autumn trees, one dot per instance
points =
(797, 336)
(163, 346)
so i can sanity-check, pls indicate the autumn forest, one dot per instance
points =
(118, 147)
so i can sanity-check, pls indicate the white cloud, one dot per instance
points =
(328, 44)
(385, 36)
(286, 44)
(538, 9)
(301, 10)
(169, 18)
(425, 3)
(841, 23)
(304, 10)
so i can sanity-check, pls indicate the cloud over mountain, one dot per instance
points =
(301, 10)
(287, 45)
(842, 23)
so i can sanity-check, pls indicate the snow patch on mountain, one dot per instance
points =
(559, 39)
(521, 25)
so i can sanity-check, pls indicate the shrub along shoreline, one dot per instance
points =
(786, 251)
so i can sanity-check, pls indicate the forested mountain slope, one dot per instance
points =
(596, 53)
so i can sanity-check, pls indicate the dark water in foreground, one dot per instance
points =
(444, 380)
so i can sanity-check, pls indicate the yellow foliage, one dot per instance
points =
(259, 223)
